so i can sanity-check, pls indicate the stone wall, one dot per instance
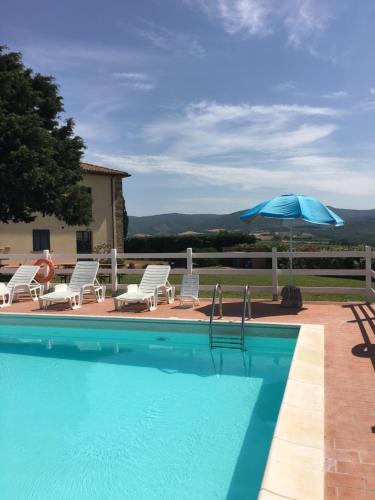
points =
(119, 214)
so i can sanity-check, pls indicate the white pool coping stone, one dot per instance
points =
(295, 465)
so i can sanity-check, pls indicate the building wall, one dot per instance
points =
(18, 236)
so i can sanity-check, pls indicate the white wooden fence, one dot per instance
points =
(114, 271)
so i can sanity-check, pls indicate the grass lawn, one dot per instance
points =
(331, 281)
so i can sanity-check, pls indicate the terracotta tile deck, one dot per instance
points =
(349, 376)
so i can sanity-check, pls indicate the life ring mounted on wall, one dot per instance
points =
(40, 276)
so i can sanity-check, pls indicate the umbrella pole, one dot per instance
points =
(291, 295)
(291, 253)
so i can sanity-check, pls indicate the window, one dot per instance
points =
(41, 240)
(84, 242)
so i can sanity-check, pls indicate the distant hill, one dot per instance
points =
(359, 225)
(169, 223)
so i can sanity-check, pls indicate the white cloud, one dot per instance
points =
(170, 41)
(340, 94)
(285, 86)
(367, 105)
(301, 174)
(300, 19)
(251, 149)
(135, 81)
(304, 18)
(132, 76)
(320, 161)
(78, 56)
(146, 87)
(207, 129)
(248, 16)
(372, 90)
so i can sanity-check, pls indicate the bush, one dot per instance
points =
(217, 241)
(206, 262)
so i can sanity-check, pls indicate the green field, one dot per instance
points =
(319, 281)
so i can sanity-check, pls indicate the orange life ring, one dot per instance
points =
(40, 276)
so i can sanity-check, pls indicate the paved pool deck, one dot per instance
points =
(349, 376)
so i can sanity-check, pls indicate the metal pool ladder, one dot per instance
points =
(229, 341)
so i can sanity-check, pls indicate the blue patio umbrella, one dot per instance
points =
(294, 206)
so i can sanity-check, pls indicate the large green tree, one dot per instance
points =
(39, 155)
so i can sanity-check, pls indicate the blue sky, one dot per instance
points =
(213, 105)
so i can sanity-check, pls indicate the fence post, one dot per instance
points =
(275, 283)
(189, 260)
(114, 271)
(368, 266)
(45, 256)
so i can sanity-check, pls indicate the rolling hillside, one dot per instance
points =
(359, 225)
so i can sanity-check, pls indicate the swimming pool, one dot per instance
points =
(136, 409)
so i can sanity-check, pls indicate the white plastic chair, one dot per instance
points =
(83, 282)
(22, 282)
(154, 283)
(189, 290)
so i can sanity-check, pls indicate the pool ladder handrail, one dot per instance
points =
(217, 289)
(246, 311)
(246, 314)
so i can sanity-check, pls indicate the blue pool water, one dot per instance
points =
(121, 409)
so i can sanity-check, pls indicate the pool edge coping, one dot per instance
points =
(295, 464)
(252, 321)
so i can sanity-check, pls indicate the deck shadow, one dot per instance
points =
(258, 310)
(362, 317)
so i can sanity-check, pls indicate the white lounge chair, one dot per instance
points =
(154, 283)
(189, 290)
(22, 282)
(83, 282)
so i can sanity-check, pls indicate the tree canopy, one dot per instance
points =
(39, 154)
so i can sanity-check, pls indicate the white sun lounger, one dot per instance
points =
(83, 281)
(22, 282)
(189, 290)
(154, 283)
